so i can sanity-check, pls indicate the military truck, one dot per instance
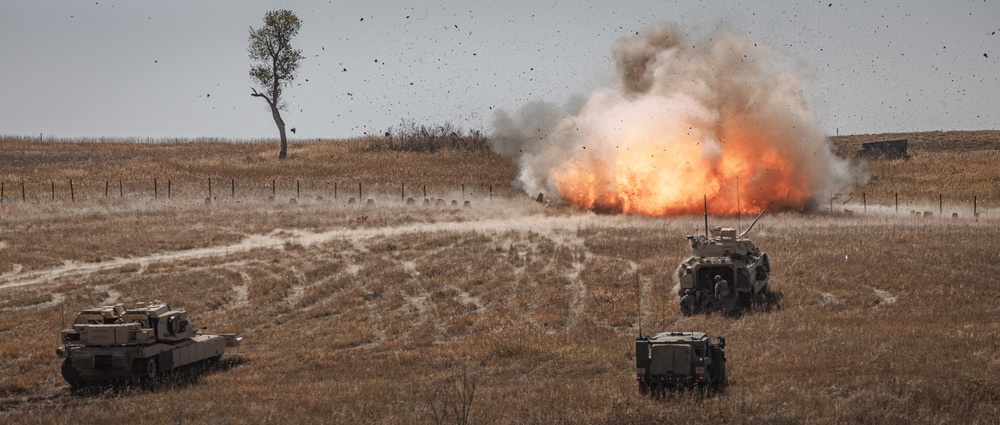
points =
(679, 360)
(731, 257)
(112, 344)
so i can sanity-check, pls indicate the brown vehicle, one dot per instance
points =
(742, 267)
(114, 344)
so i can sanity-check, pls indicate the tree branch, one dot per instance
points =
(258, 94)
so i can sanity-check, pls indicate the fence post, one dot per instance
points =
(463, 192)
(334, 190)
(23, 197)
(233, 183)
(121, 192)
(864, 200)
(1, 191)
(402, 192)
(974, 202)
(107, 185)
(272, 188)
(156, 189)
(168, 188)
(359, 192)
(298, 192)
(72, 195)
(425, 191)
(210, 188)
(940, 204)
(897, 202)
(53, 190)
(491, 192)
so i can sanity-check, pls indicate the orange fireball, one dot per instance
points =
(672, 175)
(722, 118)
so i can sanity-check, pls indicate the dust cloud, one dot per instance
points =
(721, 117)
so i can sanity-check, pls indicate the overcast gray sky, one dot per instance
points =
(124, 68)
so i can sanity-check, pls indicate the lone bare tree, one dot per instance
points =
(277, 61)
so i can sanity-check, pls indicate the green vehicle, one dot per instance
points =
(672, 361)
(112, 344)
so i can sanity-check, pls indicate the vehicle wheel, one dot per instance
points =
(71, 375)
(144, 371)
(703, 390)
(643, 388)
(719, 383)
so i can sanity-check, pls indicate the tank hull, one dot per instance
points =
(93, 365)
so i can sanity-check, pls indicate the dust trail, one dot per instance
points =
(279, 238)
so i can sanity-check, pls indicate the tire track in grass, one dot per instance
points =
(278, 239)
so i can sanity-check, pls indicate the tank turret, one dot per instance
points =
(723, 243)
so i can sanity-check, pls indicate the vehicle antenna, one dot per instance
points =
(745, 232)
(739, 211)
(638, 292)
(63, 319)
(706, 216)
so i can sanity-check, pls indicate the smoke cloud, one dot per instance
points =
(722, 117)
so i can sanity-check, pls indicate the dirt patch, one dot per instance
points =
(884, 297)
(279, 239)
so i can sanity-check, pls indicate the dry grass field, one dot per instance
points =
(395, 313)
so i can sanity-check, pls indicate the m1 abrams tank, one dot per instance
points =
(114, 344)
(679, 360)
(726, 272)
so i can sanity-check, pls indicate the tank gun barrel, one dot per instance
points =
(752, 224)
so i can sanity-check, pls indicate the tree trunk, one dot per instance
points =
(281, 129)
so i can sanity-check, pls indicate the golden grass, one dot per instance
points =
(316, 165)
(884, 318)
(959, 166)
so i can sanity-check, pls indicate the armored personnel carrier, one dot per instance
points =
(726, 272)
(679, 360)
(114, 344)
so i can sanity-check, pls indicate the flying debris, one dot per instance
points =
(690, 121)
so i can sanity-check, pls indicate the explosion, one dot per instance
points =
(722, 118)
